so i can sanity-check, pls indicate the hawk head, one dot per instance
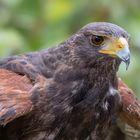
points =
(102, 40)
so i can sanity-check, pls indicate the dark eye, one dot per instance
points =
(97, 40)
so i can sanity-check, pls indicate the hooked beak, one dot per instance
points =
(124, 55)
(118, 48)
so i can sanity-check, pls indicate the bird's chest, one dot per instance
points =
(99, 115)
(91, 115)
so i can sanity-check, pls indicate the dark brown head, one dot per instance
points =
(102, 40)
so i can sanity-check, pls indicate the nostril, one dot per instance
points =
(120, 46)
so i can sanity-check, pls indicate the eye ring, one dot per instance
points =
(96, 40)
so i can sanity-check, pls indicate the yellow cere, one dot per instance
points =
(112, 46)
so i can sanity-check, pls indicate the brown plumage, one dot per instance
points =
(14, 96)
(75, 88)
(130, 112)
(15, 92)
(127, 125)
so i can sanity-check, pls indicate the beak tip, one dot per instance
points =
(124, 55)
(127, 65)
(126, 60)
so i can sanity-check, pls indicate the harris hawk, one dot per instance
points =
(126, 127)
(75, 87)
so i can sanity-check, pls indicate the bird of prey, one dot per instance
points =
(75, 87)
(14, 84)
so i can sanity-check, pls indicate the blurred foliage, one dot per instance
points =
(29, 25)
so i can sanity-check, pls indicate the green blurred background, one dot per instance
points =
(29, 25)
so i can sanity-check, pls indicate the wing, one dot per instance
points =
(129, 116)
(14, 96)
(130, 110)
(20, 64)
